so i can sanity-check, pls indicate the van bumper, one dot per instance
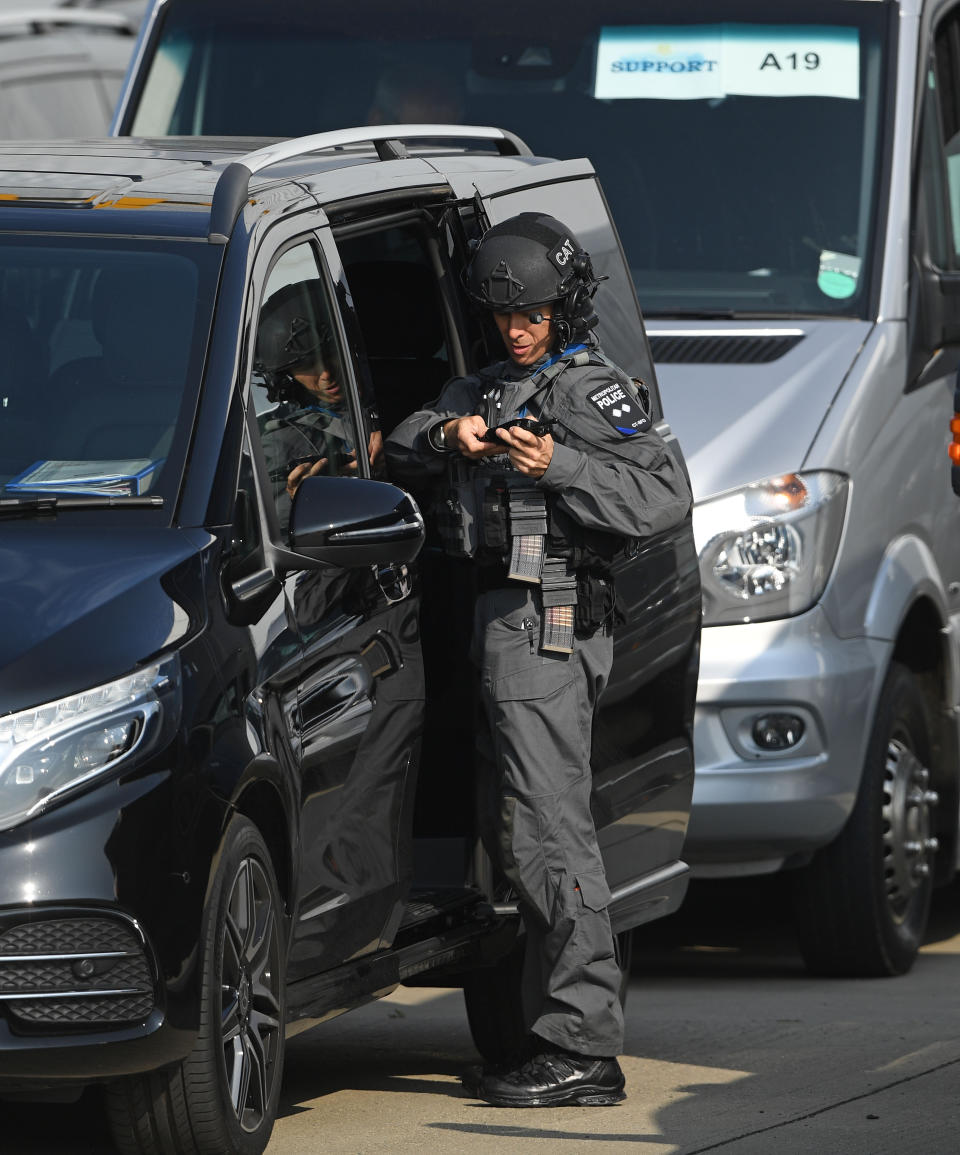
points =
(99, 935)
(754, 809)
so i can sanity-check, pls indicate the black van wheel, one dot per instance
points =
(861, 905)
(495, 1007)
(222, 1099)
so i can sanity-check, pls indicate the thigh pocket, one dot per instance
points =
(593, 890)
(514, 668)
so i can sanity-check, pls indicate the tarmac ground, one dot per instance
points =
(730, 1047)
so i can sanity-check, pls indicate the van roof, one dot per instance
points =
(194, 185)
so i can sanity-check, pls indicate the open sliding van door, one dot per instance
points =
(642, 749)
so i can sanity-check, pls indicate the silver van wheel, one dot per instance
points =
(908, 842)
(861, 905)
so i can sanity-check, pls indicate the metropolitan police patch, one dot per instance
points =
(621, 408)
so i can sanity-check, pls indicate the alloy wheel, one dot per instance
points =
(250, 994)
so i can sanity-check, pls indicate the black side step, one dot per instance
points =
(312, 1000)
(429, 904)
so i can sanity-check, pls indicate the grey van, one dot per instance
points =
(61, 66)
(786, 180)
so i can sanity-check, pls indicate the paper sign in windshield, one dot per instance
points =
(710, 61)
(119, 478)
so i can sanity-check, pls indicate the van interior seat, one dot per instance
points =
(22, 390)
(123, 402)
(402, 331)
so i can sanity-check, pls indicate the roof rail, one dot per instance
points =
(388, 139)
(38, 18)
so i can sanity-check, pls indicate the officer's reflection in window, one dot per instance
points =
(311, 431)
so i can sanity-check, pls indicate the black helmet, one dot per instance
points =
(533, 259)
(287, 339)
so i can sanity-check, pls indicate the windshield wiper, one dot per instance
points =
(49, 506)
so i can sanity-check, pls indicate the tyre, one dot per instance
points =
(495, 1006)
(861, 905)
(222, 1099)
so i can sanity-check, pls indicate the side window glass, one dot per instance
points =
(941, 147)
(304, 415)
(932, 178)
(246, 545)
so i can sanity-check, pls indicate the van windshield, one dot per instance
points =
(102, 344)
(740, 156)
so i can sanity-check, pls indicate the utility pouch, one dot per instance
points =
(558, 591)
(527, 521)
(456, 521)
(494, 532)
(596, 599)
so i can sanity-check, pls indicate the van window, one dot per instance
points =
(304, 413)
(739, 181)
(941, 143)
(103, 343)
(63, 105)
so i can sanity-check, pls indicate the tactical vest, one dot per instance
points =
(494, 514)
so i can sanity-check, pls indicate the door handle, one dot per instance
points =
(394, 581)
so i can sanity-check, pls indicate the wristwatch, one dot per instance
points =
(438, 436)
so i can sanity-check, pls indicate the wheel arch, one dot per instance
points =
(262, 803)
(909, 607)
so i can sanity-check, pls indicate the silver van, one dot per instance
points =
(786, 180)
(62, 65)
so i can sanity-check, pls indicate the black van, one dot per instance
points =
(228, 808)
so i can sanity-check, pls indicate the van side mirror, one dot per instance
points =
(350, 521)
(934, 321)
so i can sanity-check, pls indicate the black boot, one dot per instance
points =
(556, 1079)
(472, 1077)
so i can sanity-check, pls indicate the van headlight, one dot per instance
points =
(52, 750)
(767, 550)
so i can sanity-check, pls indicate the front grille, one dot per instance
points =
(67, 936)
(74, 971)
(720, 349)
(90, 1012)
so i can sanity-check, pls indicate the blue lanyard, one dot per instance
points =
(546, 365)
(568, 352)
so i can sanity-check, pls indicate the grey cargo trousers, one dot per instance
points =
(534, 766)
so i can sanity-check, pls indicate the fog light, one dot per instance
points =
(777, 731)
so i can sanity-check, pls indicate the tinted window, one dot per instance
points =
(303, 408)
(54, 106)
(755, 194)
(102, 349)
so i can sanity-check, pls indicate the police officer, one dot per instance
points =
(544, 507)
(310, 433)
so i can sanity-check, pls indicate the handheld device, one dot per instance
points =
(537, 428)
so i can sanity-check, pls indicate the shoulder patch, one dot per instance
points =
(621, 408)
